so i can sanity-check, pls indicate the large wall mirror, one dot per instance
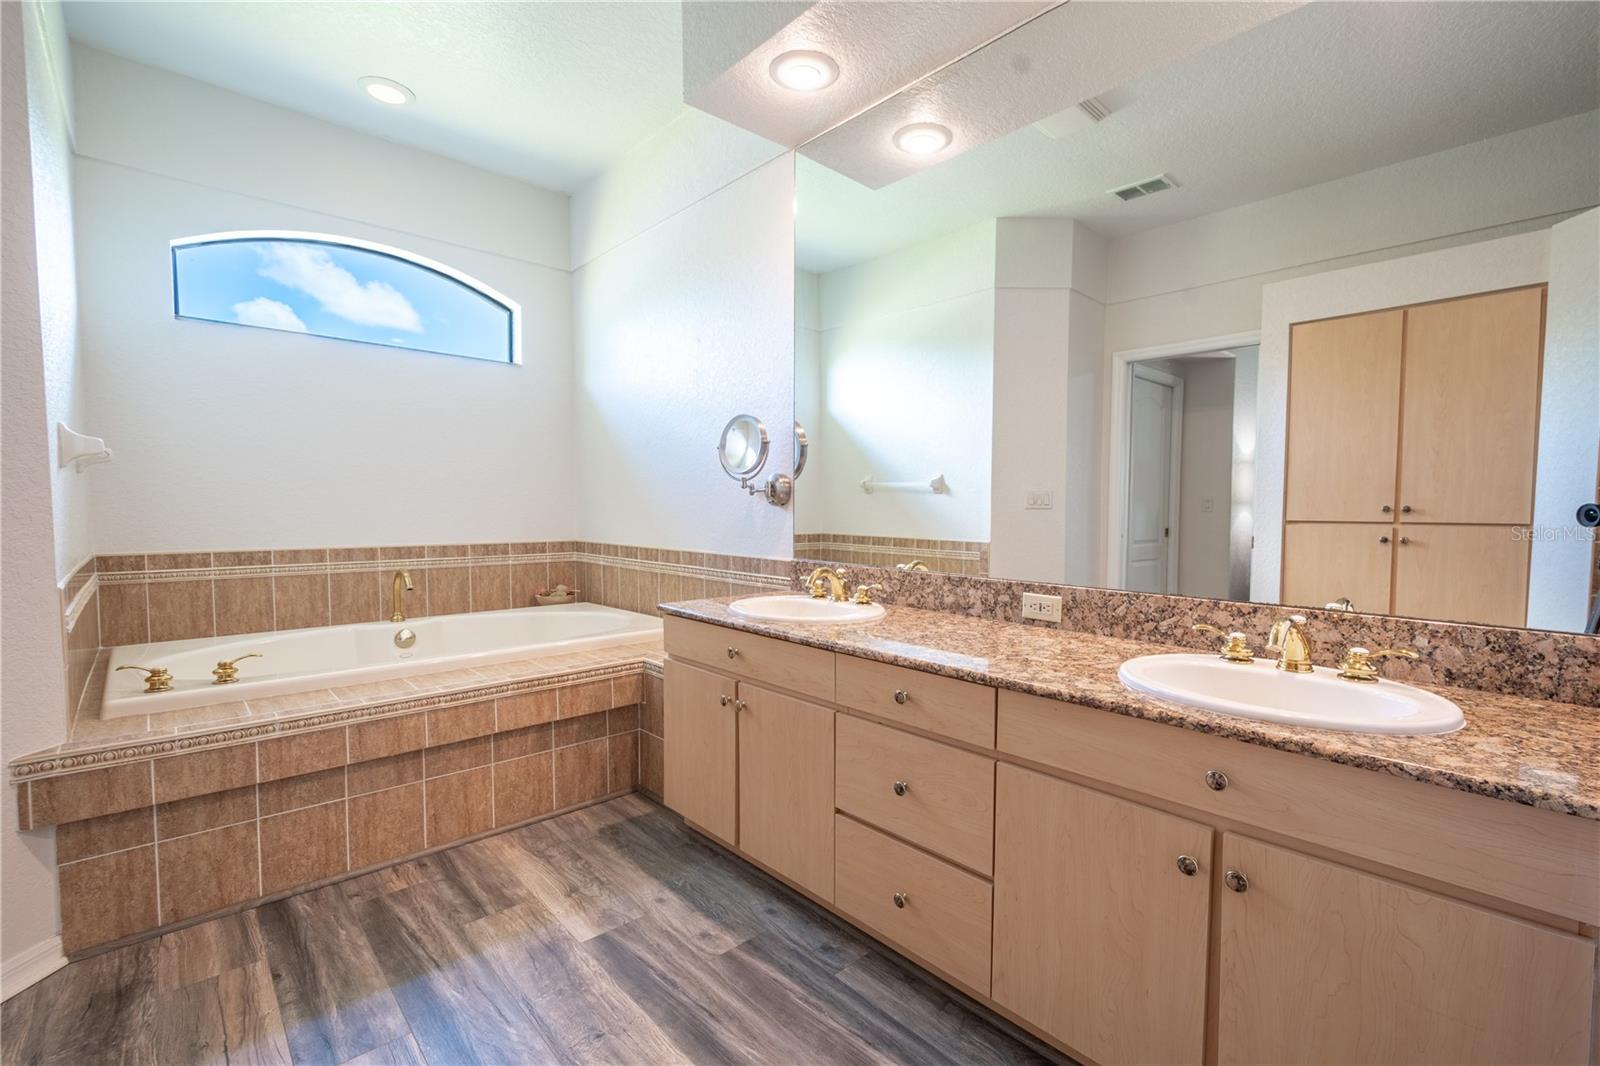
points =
(1274, 311)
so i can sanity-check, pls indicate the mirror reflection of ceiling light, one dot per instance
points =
(386, 91)
(804, 71)
(922, 138)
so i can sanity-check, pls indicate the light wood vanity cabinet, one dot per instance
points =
(1071, 867)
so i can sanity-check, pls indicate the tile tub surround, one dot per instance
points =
(182, 820)
(1535, 663)
(80, 631)
(1534, 752)
(969, 558)
(177, 595)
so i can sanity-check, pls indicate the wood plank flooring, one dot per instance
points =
(607, 935)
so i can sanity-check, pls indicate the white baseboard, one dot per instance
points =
(29, 967)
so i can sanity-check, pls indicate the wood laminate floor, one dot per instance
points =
(607, 935)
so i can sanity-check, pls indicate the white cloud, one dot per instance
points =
(270, 313)
(311, 270)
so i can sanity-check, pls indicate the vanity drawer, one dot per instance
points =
(947, 805)
(795, 667)
(1537, 858)
(946, 914)
(956, 709)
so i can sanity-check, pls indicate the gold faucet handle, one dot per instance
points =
(156, 678)
(227, 671)
(915, 565)
(1357, 665)
(864, 593)
(1235, 645)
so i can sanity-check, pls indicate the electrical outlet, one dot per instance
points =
(1208, 504)
(1039, 500)
(1040, 607)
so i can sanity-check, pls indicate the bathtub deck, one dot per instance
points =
(608, 934)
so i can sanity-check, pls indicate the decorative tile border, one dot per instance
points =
(966, 557)
(1564, 667)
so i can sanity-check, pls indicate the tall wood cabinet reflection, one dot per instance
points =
(1412, 439)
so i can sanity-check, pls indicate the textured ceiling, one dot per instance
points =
(546, 92)
(1328, 90)
(880, 47)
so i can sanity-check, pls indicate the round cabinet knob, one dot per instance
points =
(740, 705)
(1386, 509)
(726, 700)
(1216, 780)
(1405, 508)
(1187, 866)
(1236, 881)
(732, 651)
(901, 695)
(1383, 540)
(901, 788)
(900, 900)
(1405, 540)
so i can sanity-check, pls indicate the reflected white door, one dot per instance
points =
(1154, 401)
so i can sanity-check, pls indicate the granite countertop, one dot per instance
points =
(1530, 751)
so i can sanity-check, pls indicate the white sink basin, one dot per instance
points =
(802, 608)
(1320, 699)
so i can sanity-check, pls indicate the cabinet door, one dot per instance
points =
(1099, 936)
(1463, 573)
(786, 787)
(1470, 428)
(1323, 561)
(1344, 418)
(1322, 963)
(701, 763)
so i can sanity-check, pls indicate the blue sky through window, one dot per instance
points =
(339, 291)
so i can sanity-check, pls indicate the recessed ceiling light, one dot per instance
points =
(386, 91)
(922, 138)
(804, 71)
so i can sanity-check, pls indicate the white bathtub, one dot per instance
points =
(300, 660)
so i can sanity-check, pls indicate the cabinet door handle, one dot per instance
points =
(901, 788)
(732, 651)
(1187, 866)
(1405, 508)
(900, 900)
(1216, 780)
(1235, 880)
(1383, 540)
(726, 699)
(1405, 540)
(1386, 509)
(740, 705)
(901, 695)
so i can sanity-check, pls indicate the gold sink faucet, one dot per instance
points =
(833, 580)
(1235, 645)
(402, 584)
(864, 593)
(1358, 665)
(1289, 640)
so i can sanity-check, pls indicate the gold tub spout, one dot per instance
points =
(402, 584)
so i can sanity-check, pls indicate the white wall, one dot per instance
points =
(905, 370)
(1206, 474)
(1505, 263)
(684, 317)
(247, 438)
(32, 696)
(1241, 509)
(1569, 428)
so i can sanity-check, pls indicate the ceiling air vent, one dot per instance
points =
(1159, 183)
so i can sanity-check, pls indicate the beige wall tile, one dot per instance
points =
(206, 871)
(652, 776)
(300, 601)
(491, 586)
(119, 564)
(516, 743)
(652, 710)
(581, 773)
(244, 605)
(388, 736)
(626, 690)
(525, 709)
(75, 797)
(178, 561)
(198, 773)
(577, 700)
(282, 556)
(385, 825)
(356, 596)
(106, 898)
(107, 833)
(387, 772)
(622, 719)
(570, 731)
(451, 724)
(623, 752)
(302, 753)
(459, 805)
(527, 579)
(302, 847)
(307, 790)
(198, 813)
(181, 610)
(449, 590)
(261, 557)
(452, 758)
(124, 615)
(523, 788)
